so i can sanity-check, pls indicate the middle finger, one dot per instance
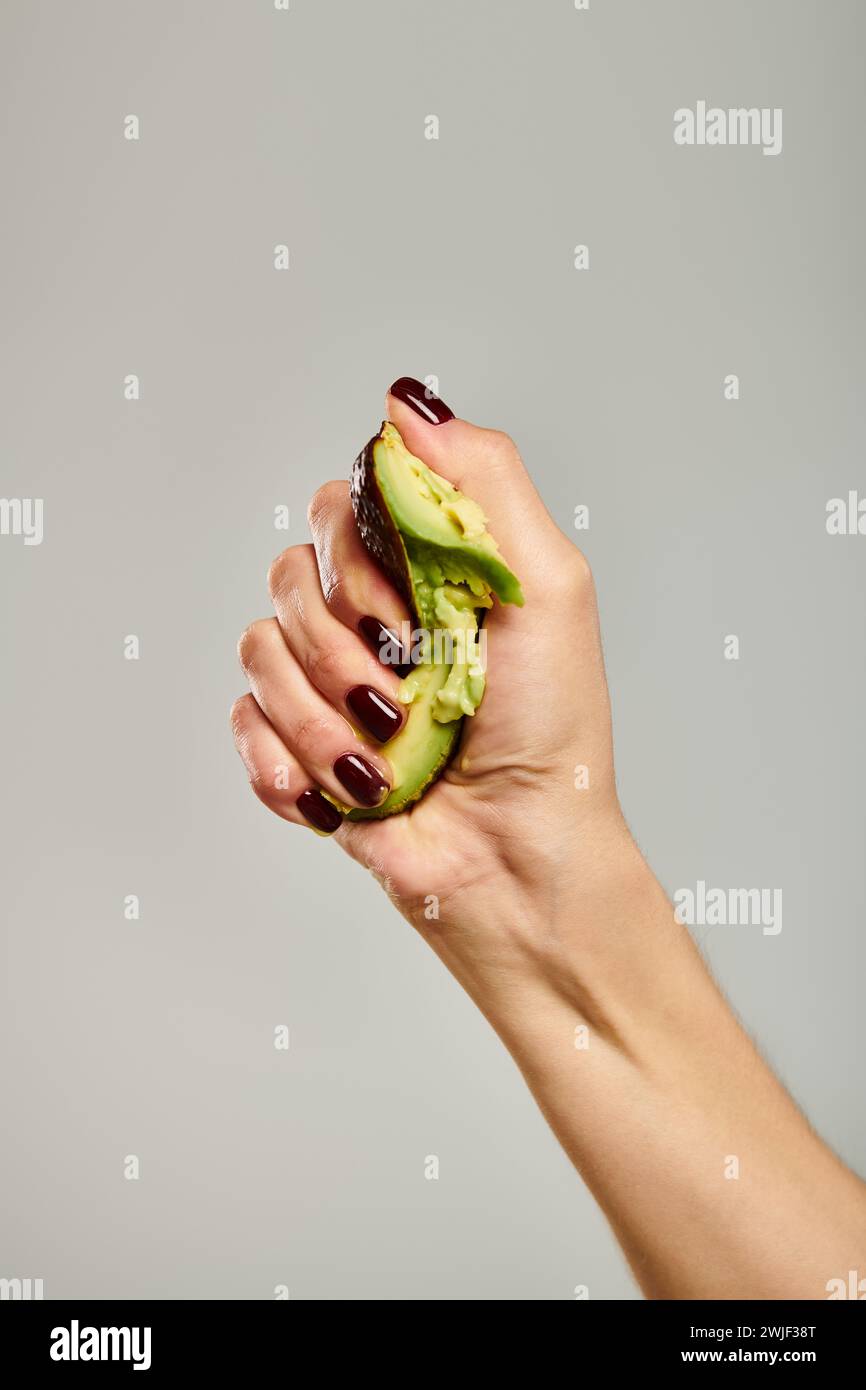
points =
(337, 662)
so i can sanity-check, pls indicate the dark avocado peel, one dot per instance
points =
(433, 544)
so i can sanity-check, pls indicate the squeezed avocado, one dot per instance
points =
(433, 543)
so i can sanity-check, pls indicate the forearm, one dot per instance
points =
(713, 1181)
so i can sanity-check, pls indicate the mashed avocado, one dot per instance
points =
(433, 542)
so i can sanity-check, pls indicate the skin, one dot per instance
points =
(549, 917)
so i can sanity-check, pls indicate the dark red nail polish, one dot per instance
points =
(387, 645)
(422, 400)
(319, 811)
(361, 779)
(377, 715)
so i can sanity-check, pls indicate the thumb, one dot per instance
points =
(485, 464)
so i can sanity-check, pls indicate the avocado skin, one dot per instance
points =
(385, 544)
(377, 528)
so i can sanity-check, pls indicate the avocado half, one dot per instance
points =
(432, 542)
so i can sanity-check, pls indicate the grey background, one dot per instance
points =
(707, 518)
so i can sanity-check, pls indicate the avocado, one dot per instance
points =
(433, 544)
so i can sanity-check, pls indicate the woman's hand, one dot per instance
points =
(505, 818)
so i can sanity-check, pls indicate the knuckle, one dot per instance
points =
(286, 570)
(252, 640)
(324, 666)
(322, 502)
(277, 572)
(263, 783)
(577, 577)
(238, 714)
(582, 569)
(335, 589)
(500, 445)
(245, 645)
(309, 735)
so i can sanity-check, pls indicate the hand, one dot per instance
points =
(506, 815)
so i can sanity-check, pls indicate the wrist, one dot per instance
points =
(585, 933)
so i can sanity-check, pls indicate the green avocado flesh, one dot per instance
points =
(432, 542)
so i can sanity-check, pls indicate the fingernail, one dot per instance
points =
(422, 400)
(386, 644)
(318, 811)
(377, 715)
(361, 779)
